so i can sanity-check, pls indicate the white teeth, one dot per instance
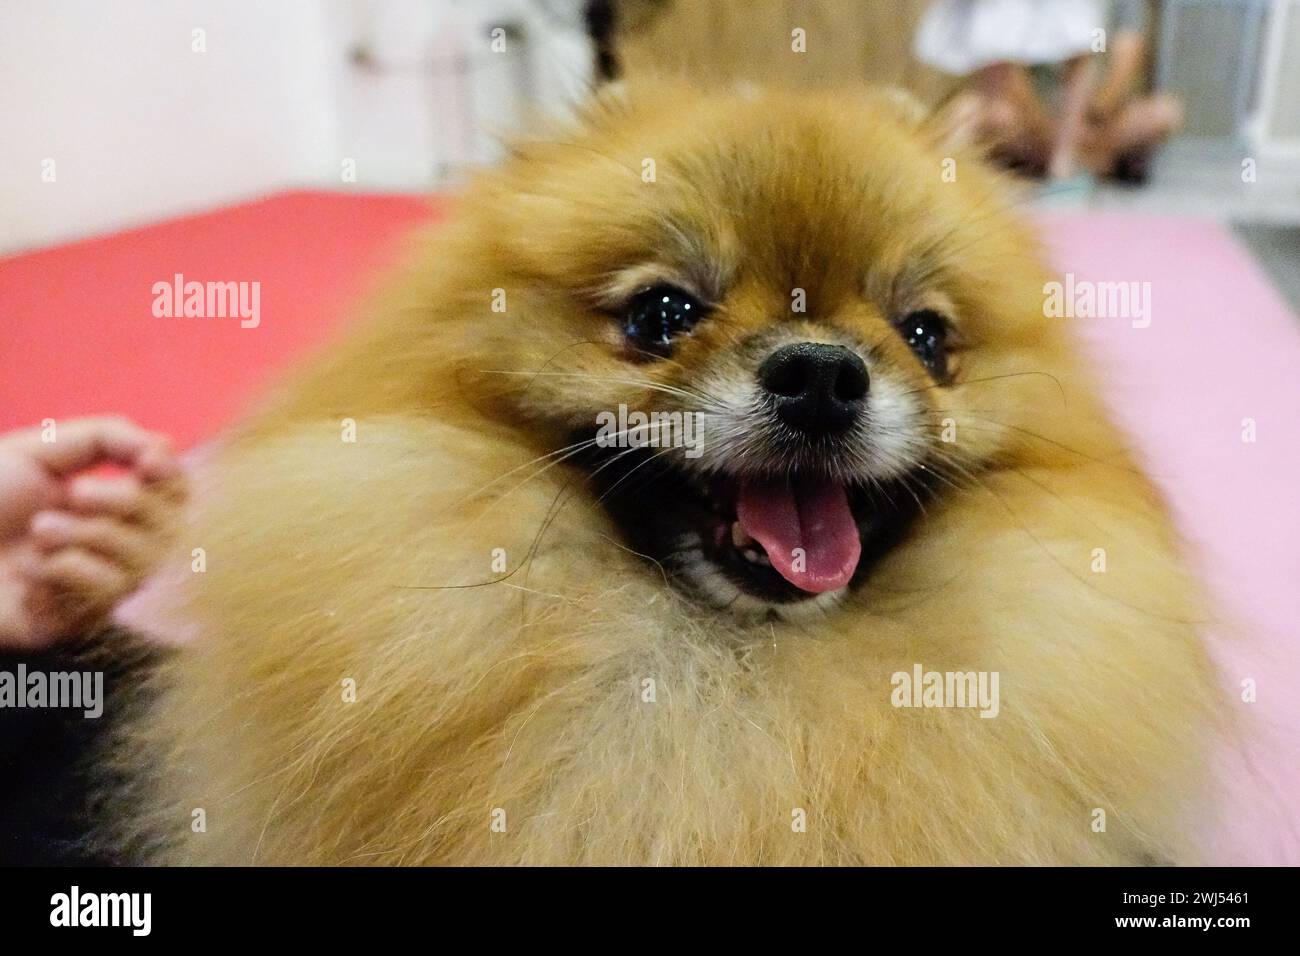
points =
(749, 548)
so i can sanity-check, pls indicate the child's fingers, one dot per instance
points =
(126, 497)
(169, 492)
(121, 497)
(90, 579)
(125, 544)
(158, 463)
(85, 442)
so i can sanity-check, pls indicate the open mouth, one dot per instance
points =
(795, 533)
(777, 539)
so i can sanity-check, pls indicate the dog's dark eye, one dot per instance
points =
(656, 315)
(926, 333)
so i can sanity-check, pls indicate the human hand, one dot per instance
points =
(72, 545)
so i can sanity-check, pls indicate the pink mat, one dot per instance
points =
(1221, 347)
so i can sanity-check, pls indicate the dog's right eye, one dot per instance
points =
(657, 315)
(926, 333)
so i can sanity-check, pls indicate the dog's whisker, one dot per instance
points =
(675, 390)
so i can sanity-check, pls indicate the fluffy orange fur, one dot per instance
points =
(502, 718)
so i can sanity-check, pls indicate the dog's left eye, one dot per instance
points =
(656, 315)
(926, 333)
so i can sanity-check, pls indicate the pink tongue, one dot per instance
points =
(806, 528)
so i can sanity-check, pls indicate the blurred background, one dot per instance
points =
(148, 110)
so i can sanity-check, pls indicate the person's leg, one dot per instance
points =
(1123, 127)
(1125, 58)
(1007, 115)
(1134, 133)
(1075, 93)
(1147, 122)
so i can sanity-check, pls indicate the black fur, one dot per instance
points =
(52, 767)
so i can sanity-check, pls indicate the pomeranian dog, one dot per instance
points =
(711, 489)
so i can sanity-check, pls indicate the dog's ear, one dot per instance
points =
(904, 104)
(616, 101)
(609, 101)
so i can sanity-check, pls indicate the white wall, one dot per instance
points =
(411, 94)
(1277, 132)
(137, 123)
(140, 126)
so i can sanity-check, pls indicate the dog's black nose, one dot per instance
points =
(818, 389)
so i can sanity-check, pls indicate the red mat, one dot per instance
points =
(78, 334)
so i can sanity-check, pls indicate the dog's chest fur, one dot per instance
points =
(346, 705)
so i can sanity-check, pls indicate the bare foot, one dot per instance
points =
(73, 544)
(1146, 123)
(1137, 127)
